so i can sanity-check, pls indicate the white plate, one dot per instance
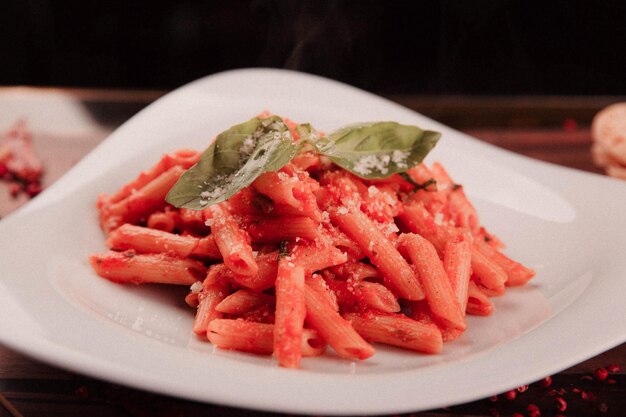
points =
(567, 225)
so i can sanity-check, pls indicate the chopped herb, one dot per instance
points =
(430, 185)
(283, 250)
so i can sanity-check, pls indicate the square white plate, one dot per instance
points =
(569, 226)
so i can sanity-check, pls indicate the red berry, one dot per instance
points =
(3, 170)
(570, 125)
(33, 188)
(546, 382)
(614, 368)
(588, 396)
(494, 412)
(611, 381)
(523, 388)
(560, 404)
(510, 395)
(82, 392)
(14, 189)
(533, 410)
(600, 374)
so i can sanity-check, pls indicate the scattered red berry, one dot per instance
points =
(494, 412)
(510, 395)
(523, 388)
(588, 396)
(82, 392)
(533, 410)
(3, 170)
(546, 382)
(611, 381)
(570, 125)
(33, 189)
(561, 391)
(600, 374)
(560, 404)
(614, 368)
(14, 189)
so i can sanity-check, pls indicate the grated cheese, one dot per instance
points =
(196, 287)
(399, 158)
(368, 163)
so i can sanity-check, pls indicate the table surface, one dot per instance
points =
(553, 129)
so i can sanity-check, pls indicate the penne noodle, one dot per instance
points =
(208, 299)
(355, 270)
(128, 267)
(233, 243)
(248, 336)
(315, 256)
(163, 220)
(290, 312)
(478, 304)
(359, 295)
(266, 274)
(242, 301)
(193, 221)
(184, 158)
(397, 330)
(490, 275)
(517, 274)
(149, 198)
(146, 240)
(439, 293)
(334, 329)
(316, 283)
(276, 230)
(457, 262)
(381, 252)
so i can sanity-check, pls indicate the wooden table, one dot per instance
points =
(553, 129)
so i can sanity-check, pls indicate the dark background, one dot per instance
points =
(444, 47)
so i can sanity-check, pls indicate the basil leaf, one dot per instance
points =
(377, 150)
(233, 161)
(307, 133)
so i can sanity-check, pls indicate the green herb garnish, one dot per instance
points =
(245, 151)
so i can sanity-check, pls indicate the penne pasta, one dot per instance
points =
(439, 293)
(233, 243)
(457, 263)
(380, 251)
(334, 329)
(247, 336)
(374, 248)
(290, 312)
(128, 267)
(397, 330)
